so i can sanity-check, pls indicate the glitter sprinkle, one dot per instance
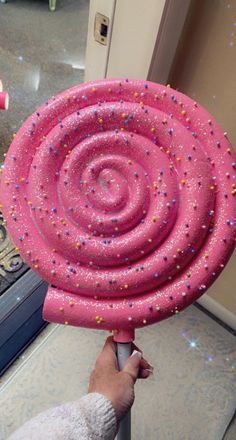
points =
(98, 319)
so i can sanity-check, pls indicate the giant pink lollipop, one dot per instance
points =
(120, 194)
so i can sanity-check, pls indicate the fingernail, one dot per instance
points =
(138, 354)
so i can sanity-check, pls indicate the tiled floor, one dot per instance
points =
(192, 395)
(41, 53)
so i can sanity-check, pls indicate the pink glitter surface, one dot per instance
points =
(120, 194)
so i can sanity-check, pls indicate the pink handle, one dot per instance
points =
(123, 336)
(4, 100)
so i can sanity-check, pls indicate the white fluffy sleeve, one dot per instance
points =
(90, 418)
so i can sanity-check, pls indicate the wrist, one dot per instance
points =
(103, 415)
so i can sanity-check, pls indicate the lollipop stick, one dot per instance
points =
(123, 352)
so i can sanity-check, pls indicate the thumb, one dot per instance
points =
(132, 365)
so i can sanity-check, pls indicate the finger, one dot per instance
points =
(132, 365)
(144, 363)
(110, 344)
(107, 357)
(144, 374)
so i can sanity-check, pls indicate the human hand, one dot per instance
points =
(115, 385)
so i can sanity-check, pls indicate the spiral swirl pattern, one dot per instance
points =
(119, 193)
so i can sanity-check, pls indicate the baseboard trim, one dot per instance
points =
(218, 310)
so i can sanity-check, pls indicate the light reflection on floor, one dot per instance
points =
(41, 53)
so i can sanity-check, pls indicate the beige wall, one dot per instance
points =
(205, 69)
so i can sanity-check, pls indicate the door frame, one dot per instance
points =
(155, 25)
